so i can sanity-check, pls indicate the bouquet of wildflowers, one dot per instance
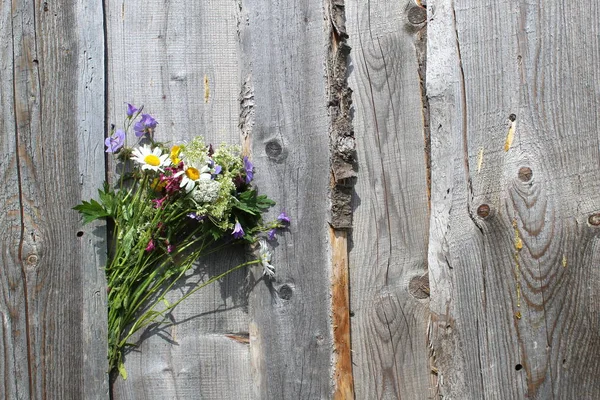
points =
(174, 205)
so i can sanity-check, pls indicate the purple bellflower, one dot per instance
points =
(131, 109)
(283, 218)
(144, 125)
(249, 170)
(238, 232)
(115, 142)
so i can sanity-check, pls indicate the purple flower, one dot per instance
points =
(238, 232)
(271, 234)
(146, 124)
(115, 142)
(131, 109)
(195, 216)
(218, 169)
(249, 169)
(283, 218)
(170, 248)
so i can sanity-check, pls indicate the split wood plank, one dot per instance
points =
(180, 59)
(513, 256)
(284, 65)
(52, 122)
(388, 257)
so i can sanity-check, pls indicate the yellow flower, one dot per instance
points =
(175, 150)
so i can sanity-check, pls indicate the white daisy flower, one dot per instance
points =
(191, 175)
(265, 259)
(151, 159)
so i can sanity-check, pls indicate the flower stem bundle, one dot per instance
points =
(175, 205)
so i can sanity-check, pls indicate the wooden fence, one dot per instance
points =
(472, 267)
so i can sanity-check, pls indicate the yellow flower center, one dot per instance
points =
(153, 160)
(192, 173)
(175, 150)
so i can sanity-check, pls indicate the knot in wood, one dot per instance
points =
(285, 292)
(525, 174)
(418, 287)
(594, 219)
(483, 210)
(32, 260)
(275, 151)
(417, 15)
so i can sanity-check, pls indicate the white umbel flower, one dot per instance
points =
(207, 191)
(150, 159)
(265, 259)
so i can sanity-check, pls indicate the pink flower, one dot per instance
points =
(150, 246)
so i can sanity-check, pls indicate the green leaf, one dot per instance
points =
(249, 202)
(91, 211)
(263, 202)
(122, 371)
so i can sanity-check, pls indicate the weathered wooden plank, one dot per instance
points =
(180, 59)
(290, 330)
(388, 257)
(91, 105)
(13, 352)
(52, 122)
(514, 237)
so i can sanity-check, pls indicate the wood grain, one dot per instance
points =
(291, 334)
(513, 254)
(180, 59)
(388, 253)
(52, 125)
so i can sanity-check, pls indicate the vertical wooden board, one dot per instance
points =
(91, 106)
(515, 199)
(48, 272)
(180, 59)
(13, 352)
(290, 330)
(388, 257)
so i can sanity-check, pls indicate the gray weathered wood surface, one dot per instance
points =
(52, 292)
(180, 59)
(513, 256)
(290, 332)
(388, 257)
(509, 242)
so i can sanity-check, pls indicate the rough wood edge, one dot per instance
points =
(343, 177)
(341, 132)
(340, 300)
